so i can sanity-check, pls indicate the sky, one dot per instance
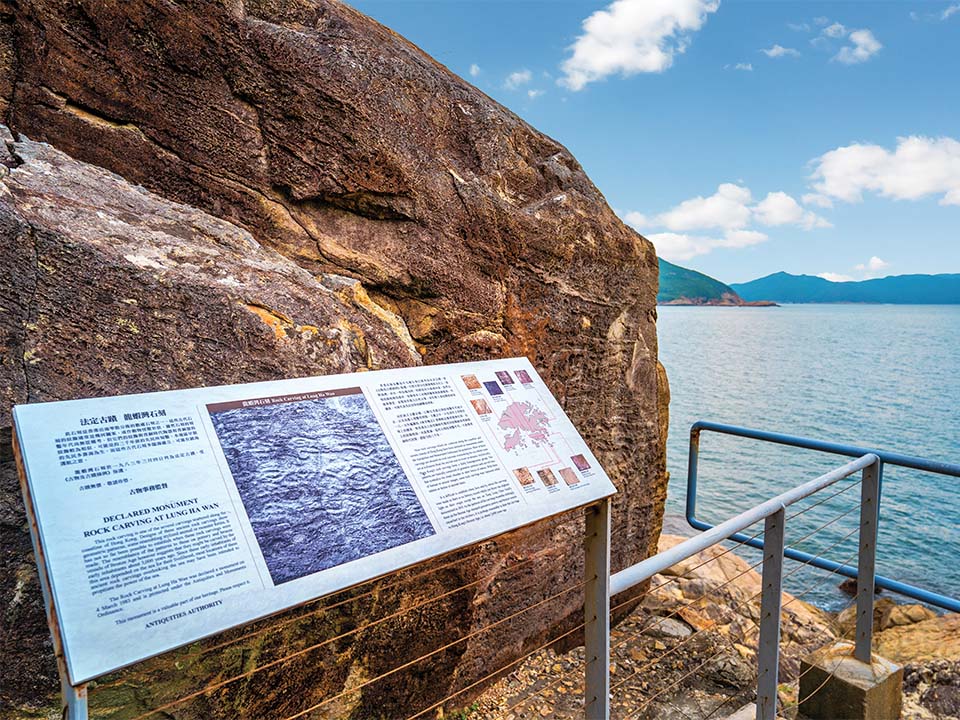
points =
(742, 138)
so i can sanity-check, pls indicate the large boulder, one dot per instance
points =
(324, 197)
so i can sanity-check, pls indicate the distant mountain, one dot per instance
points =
(783, 287)
(680, 286)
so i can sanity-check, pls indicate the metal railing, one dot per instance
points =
(886, 458)
(641, 691)
(601, 587)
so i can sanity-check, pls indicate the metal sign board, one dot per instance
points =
(167, 517)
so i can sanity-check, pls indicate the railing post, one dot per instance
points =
(768, 655)
(693, 460)
(866, 565)
(596, 608)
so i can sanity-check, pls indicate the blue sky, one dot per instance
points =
(743, 138)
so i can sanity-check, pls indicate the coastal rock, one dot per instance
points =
(887, 613)
(394, 214)
(667, 627)
(932, 689)
(716, 590)
(906, 615)
(935, 639)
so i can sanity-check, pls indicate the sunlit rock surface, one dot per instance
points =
(374, 210)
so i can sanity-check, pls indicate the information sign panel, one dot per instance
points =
(167, 517)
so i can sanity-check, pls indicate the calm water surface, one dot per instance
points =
(875, 375)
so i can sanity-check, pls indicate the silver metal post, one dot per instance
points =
(596, 608)
(76, 701)
(768, 654)
(866, 566)
(74, 698)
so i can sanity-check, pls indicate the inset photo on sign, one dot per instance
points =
(493, 387)
(318, 479)
(569, 476)
(481, 406)
(523, 376)
(504, 377)
(471, 382)
(547, 477)
(524, 476)
(581, 462)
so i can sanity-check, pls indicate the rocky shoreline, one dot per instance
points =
(688, 651)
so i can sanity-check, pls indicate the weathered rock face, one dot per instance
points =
(456, 231)
(105, 288)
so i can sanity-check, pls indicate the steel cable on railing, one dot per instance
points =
(639, 598)
(273, 627)
(660, 620)
(739, 605)
(828, 498)
(672, 685)
(502, 669)
(820, 687)
(354, 631)
(690, 638)
(732, 609)
(632, 600)
(449, 645)
(793, 641)
(346, 601)
(690, 604)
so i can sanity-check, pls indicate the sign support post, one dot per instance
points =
(74, 698)
(596, 609)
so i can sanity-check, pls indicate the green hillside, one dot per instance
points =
(900, 289)
(680, 285)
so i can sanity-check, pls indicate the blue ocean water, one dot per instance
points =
(880, 376)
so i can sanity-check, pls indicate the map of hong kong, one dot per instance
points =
(523, 421)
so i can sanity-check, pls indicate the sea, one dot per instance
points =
(880, 376)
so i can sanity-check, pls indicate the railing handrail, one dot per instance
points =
(888, 458)
(885, 457)
(773, 513)
(635, 574)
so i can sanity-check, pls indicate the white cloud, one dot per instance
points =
(835, 30)
(474, 70)
(778, 208)
(681, 246)
(799, 27)
(919, 167)
(730, 210)
(864, 47)
(817, 199)
(780, 51)
(516, 79)
(821, 20)
(952, 10)
(873, 268)
(748, 67)
(633, 36)
(726, 208)
(835, 277)
(743, 238)
(677, 247)
(534, 94)
(874, 264)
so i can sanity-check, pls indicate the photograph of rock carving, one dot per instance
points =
(320, 483)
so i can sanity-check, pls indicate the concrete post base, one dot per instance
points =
(836, 686)
(747, 712)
